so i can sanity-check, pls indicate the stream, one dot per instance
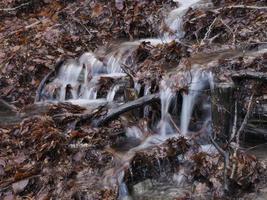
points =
(95, 80)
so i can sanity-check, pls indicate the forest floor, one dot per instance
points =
(42, 156)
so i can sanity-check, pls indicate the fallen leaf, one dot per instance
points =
(15, 48)
(20, 158)
(9, 196)
(97, 10)
(119, 4)
(2, 171)
(20, 186)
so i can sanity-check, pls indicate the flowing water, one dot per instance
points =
(199, 81)
(166, 95)
(79, 81)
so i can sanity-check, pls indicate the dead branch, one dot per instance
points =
(114, 113)
(225, 155)
(127, 70)
(235, 124)
(6, 106)
(42, 85)
(240, 130)
(46, 79)
(245, 74)
(241, 6)
(209, 31)
(245, 121)
(14, 8)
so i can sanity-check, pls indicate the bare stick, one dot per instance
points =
(235, 123)
(14, 8)
(245, 74)
(116, 112)
(242, 6)
(127, 70)
(209, 31)
(8, 106)
(225, 154)
(240, 130)
(244, 123)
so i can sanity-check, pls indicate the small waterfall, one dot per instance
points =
(114, 65)
(135, 132)
(112, 93)
(166, 96)
(93, 66)
(137, 87)
(68, 76)
(174, 19)
(82, 79)
(198, 82)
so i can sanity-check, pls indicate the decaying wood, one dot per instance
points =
(225, 155)
(242, 6)
(244, 123)
(238, 133)
(114, 113)
(15, 8)
(6, 106)
(45, 80)
(245, 74)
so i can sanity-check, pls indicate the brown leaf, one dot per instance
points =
(9, 196)
(20, 158)
(20, 186)
(119, 4)
(97, 10)
(2, 171)
(15, 48)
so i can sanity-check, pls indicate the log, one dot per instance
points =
(245, 74)
(222, 110)
(116, 112)
(46, 79)
(5, 106)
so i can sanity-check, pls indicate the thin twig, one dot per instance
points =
(209, 31)
(127, 70)
(14, 8)
(235, 123)
(244, 123)
(242, 6)
(240, 130)
(174, 124)
(225, 154)
(25, 28)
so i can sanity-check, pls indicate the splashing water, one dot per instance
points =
(135, 132)
(166, 96)
(174, 19)
(83, 78)
(68, 75)
(197, 84)
(112, 93)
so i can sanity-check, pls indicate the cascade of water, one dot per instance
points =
(174, 19)
(114, 65)
(197, 84)
(166, 96)
(137, 87)
(68, 75)
(112, 92)
(92, 65)
(89, 67)
(134, 131)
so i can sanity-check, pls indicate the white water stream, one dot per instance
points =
(199, 80)
(78, 82)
